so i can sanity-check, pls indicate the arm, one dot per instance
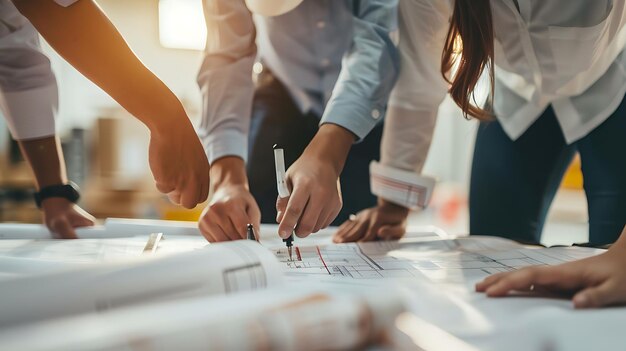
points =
(594, 282)
(369, 71)
(28, 99)
(46, 161)
(410, 122)
(225, 80)
(84, 36)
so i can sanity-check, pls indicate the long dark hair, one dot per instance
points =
(469, 44)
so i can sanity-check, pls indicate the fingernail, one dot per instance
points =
(580, 300)
(283, 234)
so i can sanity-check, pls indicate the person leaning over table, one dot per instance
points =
(328, 67)
(558, 81)
(82, 34)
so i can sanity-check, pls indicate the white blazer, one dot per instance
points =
(563, 53)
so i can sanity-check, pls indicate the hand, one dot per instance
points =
(315, 198)
(595, 282)
(179, 164)
(232, 207)
(386, 221)
(62, 217)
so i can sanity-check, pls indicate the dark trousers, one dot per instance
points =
(514, 182)
(276, 119)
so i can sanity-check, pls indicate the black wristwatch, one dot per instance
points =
(67, 191)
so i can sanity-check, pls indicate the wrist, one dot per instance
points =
(332, 144)
(68, 192)
(167, 120)
(390, 206)
(228, 171)
(54, 203)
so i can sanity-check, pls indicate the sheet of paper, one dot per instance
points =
(215, 269)
(112, 228)
(327, 319)
(82, 251)
(36, 256)
(403, 259)
(458, 264)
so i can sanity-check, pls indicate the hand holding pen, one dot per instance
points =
(315, 198)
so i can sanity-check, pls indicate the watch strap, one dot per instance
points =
(67, 191)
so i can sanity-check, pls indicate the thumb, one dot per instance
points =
(62, 229)
(281, 204)
(82, 219)
(597, 296)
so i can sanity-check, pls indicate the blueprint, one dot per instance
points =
(450, 261)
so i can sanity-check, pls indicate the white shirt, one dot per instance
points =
(28, 89)
(563, 53)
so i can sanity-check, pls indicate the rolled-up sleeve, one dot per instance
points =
(28, 88)
(369, 69)
(413, 105)
(225, 79)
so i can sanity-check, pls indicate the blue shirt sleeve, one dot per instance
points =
(369, 69)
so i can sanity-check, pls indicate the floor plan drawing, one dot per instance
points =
(454, 260)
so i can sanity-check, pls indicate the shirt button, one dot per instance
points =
(257, 68)
(325, 62)
(321, 24)
(375, 114)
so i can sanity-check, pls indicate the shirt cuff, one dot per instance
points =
(225, 143)
(401, 187)
(31, 114)
(357, 117)
(65, 3)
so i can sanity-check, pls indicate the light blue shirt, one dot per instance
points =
(336, 58)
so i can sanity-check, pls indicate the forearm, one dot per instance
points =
(331, 145)
(229, 170)
(83, 35)
(45, 159)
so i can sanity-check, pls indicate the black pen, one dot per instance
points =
(283, 190)
(250, 232)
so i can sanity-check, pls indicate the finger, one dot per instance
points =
(238, 224)
(356, 232)
(370, 233)
(211, 231)
(489, 281)
(295, 206)
(331, 217)
(518, 280)
(165, 188)
(390, 232)
(281, 204)
(62, 229)
(344, 228)
(204, 189)
(174, 197)
(189, 195)
(309, 217)
(322, 221)
(598, 296)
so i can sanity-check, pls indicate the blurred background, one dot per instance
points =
(106, 150)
